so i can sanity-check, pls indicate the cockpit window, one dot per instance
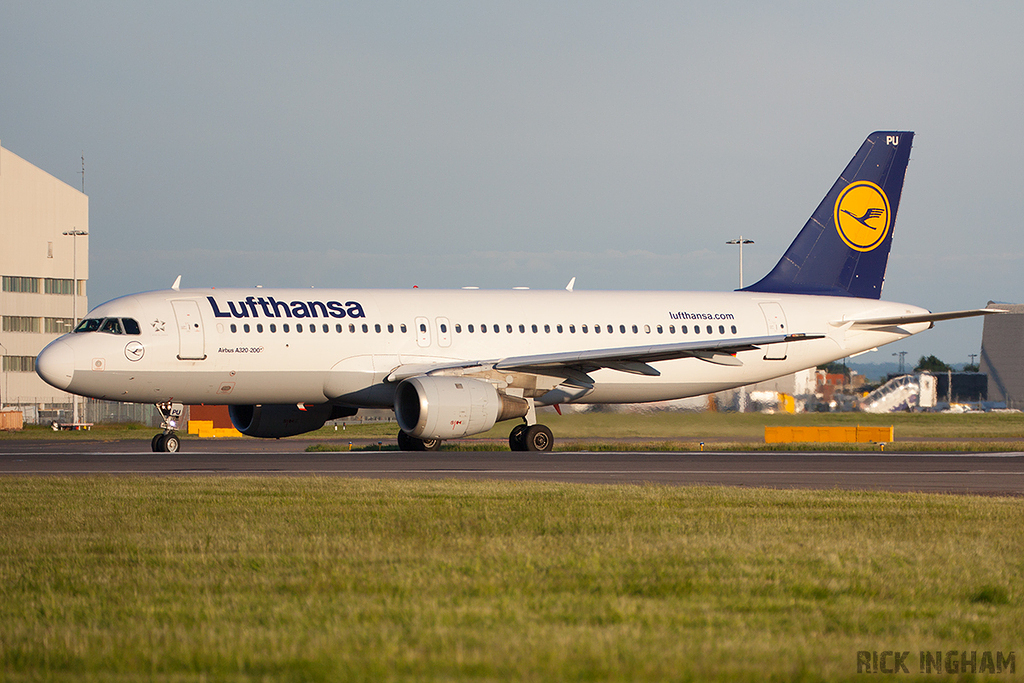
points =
(109, 325)
(89, 325)
(112, 326)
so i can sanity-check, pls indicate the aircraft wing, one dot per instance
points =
(632, 359)
(874, 323)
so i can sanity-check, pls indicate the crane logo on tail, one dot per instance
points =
(862, 215)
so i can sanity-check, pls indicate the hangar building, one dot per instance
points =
(1002, 354)
(44, 262)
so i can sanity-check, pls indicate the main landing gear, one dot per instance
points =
(534, 437)
(411, 443)
(168, 441)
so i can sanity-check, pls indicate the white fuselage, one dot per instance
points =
(288, 346)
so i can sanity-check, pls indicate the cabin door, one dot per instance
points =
(776, 320)
(191, 340)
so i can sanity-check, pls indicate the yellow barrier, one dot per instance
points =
(856, 434)
(204, 429)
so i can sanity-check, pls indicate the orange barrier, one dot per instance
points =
(204, 429)
(856, 434)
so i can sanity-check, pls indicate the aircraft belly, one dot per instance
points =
(214, 387)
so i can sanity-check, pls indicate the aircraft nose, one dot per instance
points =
(56, 364)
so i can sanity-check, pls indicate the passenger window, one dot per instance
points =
(709, 329)
(547, 328)
(683, 329)
(559, 328)
(312, 328)
(131, 326)
(721, 329)
(376, 328)
(298, 327)
(659, 329)
(444, 328)
(610, 329)
(273, 327)
(671, 329)
(583, 329)
(696, 329)
(635, 330)
(111, 326)
(469, 328)
(326, 328)
(572, 329)
(522, 328)
(647, 329)
(734, 329)
(496, 328)
(483, 328)
(423, 327)
(534, 328)
(234, 327)
(597, 329)
(508, 328)
(259, 327)
(366, 328)
(338, 328)
(245, 327)
(403, 327)
(391, 328)
(285, 328)
(352, 328)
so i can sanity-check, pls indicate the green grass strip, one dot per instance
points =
(327, 579)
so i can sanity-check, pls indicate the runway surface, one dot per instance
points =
(984, 474)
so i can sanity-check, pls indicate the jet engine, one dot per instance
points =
(275, 421)
(449, 407)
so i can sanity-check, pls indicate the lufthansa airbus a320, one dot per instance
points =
(454, 363)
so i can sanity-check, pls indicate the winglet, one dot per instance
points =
(177, 284)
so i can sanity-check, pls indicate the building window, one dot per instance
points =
(21, 284)
(56, 325)
(19, 364)
(20, 323)
(52, 285)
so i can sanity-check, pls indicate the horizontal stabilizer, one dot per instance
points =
(874, 323)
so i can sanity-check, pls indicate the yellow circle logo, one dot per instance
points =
(862, 215)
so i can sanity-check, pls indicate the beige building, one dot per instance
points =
(44, 225)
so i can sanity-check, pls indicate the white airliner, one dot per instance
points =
(453, 363)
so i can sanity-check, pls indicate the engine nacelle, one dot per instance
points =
(449, 407)
(275, 421)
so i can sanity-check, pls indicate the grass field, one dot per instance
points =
(685, 428)
(234, 578)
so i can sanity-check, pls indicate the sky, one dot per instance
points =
(448, 144)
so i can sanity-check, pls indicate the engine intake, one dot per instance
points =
(276, 421)
(450, 407)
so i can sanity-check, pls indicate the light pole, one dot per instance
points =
(902, 355)
(741, 242)
(4, 369)
(74, 233)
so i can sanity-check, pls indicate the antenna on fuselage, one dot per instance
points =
(572, 282)
(177, 284)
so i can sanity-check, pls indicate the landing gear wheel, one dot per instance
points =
(411, 443)
(538, 438)
(166, 443)
(515, 438)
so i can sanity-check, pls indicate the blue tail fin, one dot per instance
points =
(844, 247)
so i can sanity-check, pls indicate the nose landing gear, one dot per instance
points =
(168, 441)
